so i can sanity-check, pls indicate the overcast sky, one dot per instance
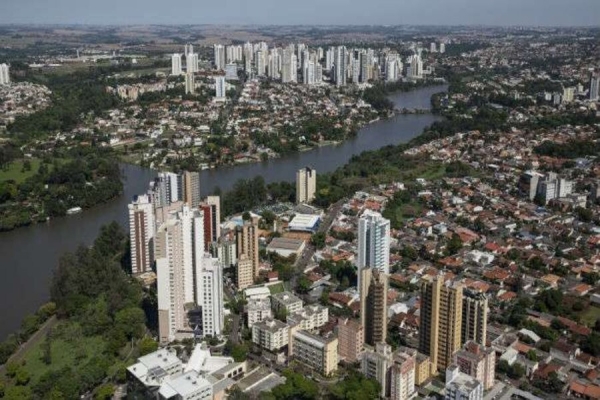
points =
(307, 12)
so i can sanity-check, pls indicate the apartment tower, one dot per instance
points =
(373, 302)
(306, 185)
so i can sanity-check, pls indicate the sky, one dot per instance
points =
(304, 12)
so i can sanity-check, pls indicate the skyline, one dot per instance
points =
(270, 12)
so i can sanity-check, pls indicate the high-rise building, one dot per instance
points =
(415, 70)
(176, 64)
(141, 234)
(220, 90)
(225, 250)
(219, 55)
(351, 338)
(178, 251)
(375, 364)
(478, 362)
(403, 371)
(329, 59)
(391, 71)
(191, 63)
(373, 242)
(209, 295)
(189, 48)
(441, 319)
(190, 83)
(373, 303)
(247, 243)
(340, 66)
(274, 62)
(474, 317)
(594, 87)
(191, 188)
(261, 67)
(308, 74)
(433, 47)
(442, 48)
(166, 189)
(306, 185)
(215, 213)
(4, 74)
(244, 273)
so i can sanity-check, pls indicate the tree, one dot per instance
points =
(147, 345)
(22, 377)
(296, 387)
(105, 392)
(355, 387)
(318, 240)
(304, 284)
(454, 244)
(131, 321)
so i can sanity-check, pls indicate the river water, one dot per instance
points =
(29, 255)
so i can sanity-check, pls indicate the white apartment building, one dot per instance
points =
(220, 89)
(402, 380)
(209, 295)
(258, 310)
(141, 234)
(4, 74)
(373, 242)
(176, 68)
(310, 317)
(271, 334)
(287, 301)
(460, 386)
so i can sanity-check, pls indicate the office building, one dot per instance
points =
(306, 185)
(373, 303)
(441, 320)
(351, 338)
(247, 243)
(478, 362)
(190, 83)
(191, 63)
(176, 68)
(220, 89)
(474, 317)
(460, 386)
(271, 334)
(594, 87)
(373, 242)
(244, 272)
(209, 294)
(258, 310)
(178, 251)
(402, 374)
(286, 301)
(141, 234)
(219, 55)
(4, 74)
(316, 352)
(191, 188)
(375, 364)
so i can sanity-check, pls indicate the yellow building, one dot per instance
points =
(316, 352)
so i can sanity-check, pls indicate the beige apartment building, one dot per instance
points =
(306, 185)
(373, 300)
(478, 362)
(350, 339)
(316, 352)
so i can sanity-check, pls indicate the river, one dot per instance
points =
(28, 255)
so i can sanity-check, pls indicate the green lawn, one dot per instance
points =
(15, 171)
(278, 288)
(590, 315)
(70, 348)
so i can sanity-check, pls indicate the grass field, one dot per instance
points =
(278, 288)
(15, 171)
(590, 315)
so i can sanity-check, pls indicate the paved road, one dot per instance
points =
(33, 340)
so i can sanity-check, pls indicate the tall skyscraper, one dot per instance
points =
(244, 272)
(4, 74)
(191, 63)
(190, 83)
(141, 234)
(474, 317)
(178, 251)
(261, 67)
(274, 61)
(433, 47)
(220, 91)
(308, 73)
(215, 214)
(166, 189)
(219, 55)
(373, 242)
(189, 48)
(351, 338)
(176, 64)
(209, 294)
(441, 320)
(442, 48)
(415, 67)
(594, 87)
(403, 371)
(329, 59)
(306, 185)
(247, 243)
(373, 302)
(191, 188)
(340, 66)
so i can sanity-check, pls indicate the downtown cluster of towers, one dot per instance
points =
(191, 67)
(301, 64)
(452, 329)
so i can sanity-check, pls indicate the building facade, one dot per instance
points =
(403, 371)
(306, 185)
(350, 340)
(474, 317)
(373, 301)
(247, 243)
(141, 234)
(478, 362)
(316, 352)
(373, 242)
